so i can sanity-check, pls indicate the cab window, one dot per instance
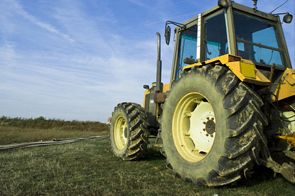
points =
(187, 47)
(215, 36)
(257, 40)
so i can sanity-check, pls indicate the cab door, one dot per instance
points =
(186, 47)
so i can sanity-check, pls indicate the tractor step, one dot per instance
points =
(290, 154)
(287, 170)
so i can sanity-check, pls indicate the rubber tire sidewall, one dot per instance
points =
(119, 111)
(202, 84)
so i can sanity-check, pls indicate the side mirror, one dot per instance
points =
(288, 18)
(167, 34)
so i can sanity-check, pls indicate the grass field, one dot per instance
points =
(89, 168)
(15, 130)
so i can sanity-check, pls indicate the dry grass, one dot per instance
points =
(15, 130)
(42, 123)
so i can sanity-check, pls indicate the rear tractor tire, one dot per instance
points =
(211, 126)
(128, 131)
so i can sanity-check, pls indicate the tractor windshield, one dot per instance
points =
(257, 40)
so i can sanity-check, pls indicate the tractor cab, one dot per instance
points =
(234, 29)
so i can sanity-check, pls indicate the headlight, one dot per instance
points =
(288, 18)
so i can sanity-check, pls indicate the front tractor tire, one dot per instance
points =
(211, 126)
(128, 131)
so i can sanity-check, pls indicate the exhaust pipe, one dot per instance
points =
(159, 84)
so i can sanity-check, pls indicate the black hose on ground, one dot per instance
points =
(46, 143)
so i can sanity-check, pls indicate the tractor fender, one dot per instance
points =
(244, 69)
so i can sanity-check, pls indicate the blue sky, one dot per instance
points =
(71, 59)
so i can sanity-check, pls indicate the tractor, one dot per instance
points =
(230, 102)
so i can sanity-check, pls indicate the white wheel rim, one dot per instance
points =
(193, 127)
(120, 132)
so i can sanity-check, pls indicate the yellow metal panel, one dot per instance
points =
(286, 88)
(236, 69)
(247, 72)
(289, 138)
(166, 87)
(146, 92)
(248, 69)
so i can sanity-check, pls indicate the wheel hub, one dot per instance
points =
(209, 126)
(124, 133)
(202, 127)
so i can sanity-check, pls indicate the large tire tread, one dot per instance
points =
(138, 131)
(243, 145)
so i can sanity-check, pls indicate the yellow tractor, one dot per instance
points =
(230, 103)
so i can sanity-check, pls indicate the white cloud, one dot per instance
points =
(96, 71)
(15, 7)
(141, 3)
(7, 52)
